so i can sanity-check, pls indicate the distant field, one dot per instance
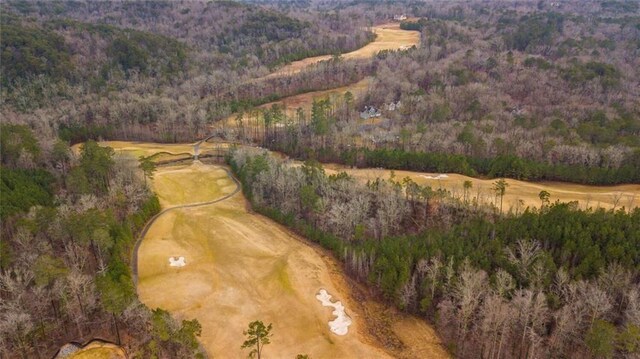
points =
(160, 151)
(388, 37)
(519, 194)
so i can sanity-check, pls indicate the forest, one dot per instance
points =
(539, 83)
(69, 223)
(551, 281)
(530, 90)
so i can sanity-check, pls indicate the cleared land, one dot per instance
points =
(519, 194)
(241, 267)
(388, 37)
(138, 149)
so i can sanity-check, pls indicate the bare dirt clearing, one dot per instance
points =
(519, 194)
(241, 267)
(388, 37)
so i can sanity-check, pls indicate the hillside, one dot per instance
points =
(320, 179)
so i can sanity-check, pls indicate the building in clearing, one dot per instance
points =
(369, 112)
(400, 17)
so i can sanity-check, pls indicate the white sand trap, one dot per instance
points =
(340, 325)
(440, 176)
(177, 261)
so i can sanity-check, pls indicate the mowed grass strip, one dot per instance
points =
(519, 194)
(388, 37)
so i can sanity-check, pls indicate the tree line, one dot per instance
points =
(69, 224)
(551, 281)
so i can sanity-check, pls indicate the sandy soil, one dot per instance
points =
(388, 37)
(242, 267)
(519, 194)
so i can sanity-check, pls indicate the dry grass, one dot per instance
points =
(138, 149)
(292, 103)
(99, 350)
(242, 267)
(519, 194)
(388, 37)
(146, 149)
(190, 184)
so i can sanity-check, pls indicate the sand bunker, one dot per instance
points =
(177, 261)
(440, 176)
(340, 325)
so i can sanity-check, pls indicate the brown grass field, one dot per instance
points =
(146, 149)
(519, 194)
(204, 182)
(388, 37)
(99, 350)
(243, 267)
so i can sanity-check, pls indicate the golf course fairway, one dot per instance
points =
(240, 267)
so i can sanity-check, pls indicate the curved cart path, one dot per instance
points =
(143, 233)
